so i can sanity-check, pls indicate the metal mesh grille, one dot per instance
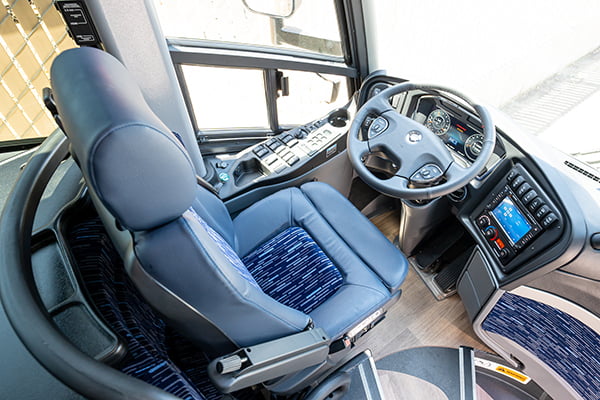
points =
(32, 33)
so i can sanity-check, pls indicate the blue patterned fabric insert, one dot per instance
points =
(565, 344)
(154, 353)
(292, 269)
(226, 249)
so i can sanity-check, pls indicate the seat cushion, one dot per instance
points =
(359, 233)
(322, 210)
(292, 269)
(366, 286)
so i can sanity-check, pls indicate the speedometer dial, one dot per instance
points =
(473, 146)
(438, 121)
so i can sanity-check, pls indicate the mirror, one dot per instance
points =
(273, 8)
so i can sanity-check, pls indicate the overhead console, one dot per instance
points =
(517, 220)
(281, 157)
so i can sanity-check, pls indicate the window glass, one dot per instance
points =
(32, 34)
(226, 98)
(311, 96)
(313, 27)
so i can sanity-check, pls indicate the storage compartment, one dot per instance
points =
(475, 285)
(65, 301)
(338, 118)
(442, 255)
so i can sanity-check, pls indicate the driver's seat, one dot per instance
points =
(300, 258)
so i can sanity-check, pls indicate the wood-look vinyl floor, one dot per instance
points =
(418, 319)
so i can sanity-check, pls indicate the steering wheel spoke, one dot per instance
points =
(358, 147)
(381, 140)
(379, 105)
(396, 181)
(454, 171)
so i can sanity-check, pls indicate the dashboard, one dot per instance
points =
(456, 134)
(513, 217)
(509, 210)
(287, 155)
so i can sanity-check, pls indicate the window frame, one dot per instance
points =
(353, 65)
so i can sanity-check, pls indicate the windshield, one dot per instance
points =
(538, 61)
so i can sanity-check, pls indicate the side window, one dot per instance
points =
(226, 98)
(31, 35)
(247, 74)
(312, 95)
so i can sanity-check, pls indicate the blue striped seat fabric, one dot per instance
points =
(153, 351)
(225, 248)
(564, 343)
(292, 269)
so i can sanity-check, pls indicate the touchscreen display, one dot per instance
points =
(511, 220)
(457, 135)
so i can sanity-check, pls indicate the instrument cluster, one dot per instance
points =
(458, 134)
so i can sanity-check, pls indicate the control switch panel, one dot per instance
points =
(515, 215)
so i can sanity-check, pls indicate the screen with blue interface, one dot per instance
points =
(511, 220)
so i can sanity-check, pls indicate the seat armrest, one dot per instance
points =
(255, 364)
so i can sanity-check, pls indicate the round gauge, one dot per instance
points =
(438, 121)
(473, 146)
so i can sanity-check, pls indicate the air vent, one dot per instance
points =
(583, 171)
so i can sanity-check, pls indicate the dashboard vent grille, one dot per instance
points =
(583, 171)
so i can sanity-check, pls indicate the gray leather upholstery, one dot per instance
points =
(338, 228)
(183, 236)
(183, 257)
(139, 189)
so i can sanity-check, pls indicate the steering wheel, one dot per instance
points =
(424, 166)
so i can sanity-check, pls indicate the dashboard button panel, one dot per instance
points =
(518, 181)
(491, 233)
(524, 188)
(300, 144)
(261, 151)
(514, 217)
(535, 203)
(529, 196)
(483, 221)
(549, 220)
(539, 214)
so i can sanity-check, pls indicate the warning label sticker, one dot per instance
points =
(502, 369)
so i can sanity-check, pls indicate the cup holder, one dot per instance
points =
(338, 118)
(247, 171)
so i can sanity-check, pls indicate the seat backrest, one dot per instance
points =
(181, 235)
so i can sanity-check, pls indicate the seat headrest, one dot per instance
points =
(130, 159)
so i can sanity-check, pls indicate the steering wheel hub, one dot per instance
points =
(414, 136)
